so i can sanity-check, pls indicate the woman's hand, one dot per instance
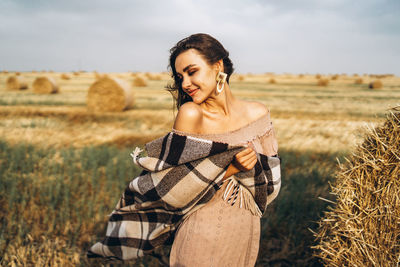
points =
(245, 159)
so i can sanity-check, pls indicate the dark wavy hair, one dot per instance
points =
(209, 48)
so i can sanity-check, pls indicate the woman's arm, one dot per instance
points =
(243, 161)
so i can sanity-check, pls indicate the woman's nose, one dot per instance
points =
(185, 83)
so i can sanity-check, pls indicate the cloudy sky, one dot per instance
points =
(311, 36)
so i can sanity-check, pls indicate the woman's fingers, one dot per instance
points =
(248, 153)
(246, 159)
(249, 164)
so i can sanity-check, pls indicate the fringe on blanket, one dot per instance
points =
(235, 191)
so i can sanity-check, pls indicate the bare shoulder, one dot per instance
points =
(256, 109)
(189, 118)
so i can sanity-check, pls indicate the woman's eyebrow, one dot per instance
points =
(188, 66)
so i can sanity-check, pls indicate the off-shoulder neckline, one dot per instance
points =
(265, 116)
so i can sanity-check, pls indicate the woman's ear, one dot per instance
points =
(219, 65)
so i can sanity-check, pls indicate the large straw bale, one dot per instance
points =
(65, 76)
(45, 85)
(139, 81)
(153, 76)
(322, 82)
(272, 80)
(16, 83)
(377, 84)
(363, 226)
(358, 81)
(109, 94)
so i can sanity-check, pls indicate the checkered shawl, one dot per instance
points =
(180, 174)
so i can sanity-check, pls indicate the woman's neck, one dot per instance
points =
(220, 105)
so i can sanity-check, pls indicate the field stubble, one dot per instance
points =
(69, 165)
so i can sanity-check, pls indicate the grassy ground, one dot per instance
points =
(63, 168)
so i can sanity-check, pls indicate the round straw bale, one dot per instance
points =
(376, 84)
(335, 77)
(322, 82)
(65, 76)
(241, 78)
(99, 76)
(18, 73)
(318, 76)
(301, 76)
(362, 228)
(45, 85)
(109, 94)
(16, 83)
(139, 81)
(358, 81)
(272, 80)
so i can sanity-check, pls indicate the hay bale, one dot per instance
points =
(272, 80)
(18, 73)
(109, 94)
(322, 82)
(377, 84)
(301, 76)
(241, 78)
(152, 77)
(16, 83)
(318, 76)
(363, 227)
(358, 81)
(65, 76)
(45, 85)
(139, 81)
(335, 77)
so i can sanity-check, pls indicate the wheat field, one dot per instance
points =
(63, 167)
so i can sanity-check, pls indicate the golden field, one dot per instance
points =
(305, 116)
(63, 167)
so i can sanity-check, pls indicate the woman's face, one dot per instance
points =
(197, 76)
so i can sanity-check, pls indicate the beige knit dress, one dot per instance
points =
(219, 233)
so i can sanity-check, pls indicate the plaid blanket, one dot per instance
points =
(180, 175)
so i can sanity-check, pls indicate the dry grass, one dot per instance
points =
(363, 228)
(305, 117)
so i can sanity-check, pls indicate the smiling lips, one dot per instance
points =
(192, 92)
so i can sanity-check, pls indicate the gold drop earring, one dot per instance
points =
(221, 78)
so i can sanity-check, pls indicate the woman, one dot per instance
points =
(221, 233)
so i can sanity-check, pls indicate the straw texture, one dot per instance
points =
(45, 85)
(363, 227)
(109, 94)
(16, 83)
